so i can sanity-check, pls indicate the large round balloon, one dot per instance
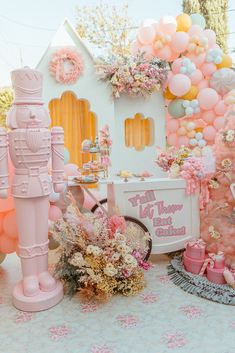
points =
(191, 94)
(54, 213)
(207, 98)
(179, 42)
(176, 108)
(7, 244)
(146, 34)
(167, 25)
(223, 80)
(179, 85)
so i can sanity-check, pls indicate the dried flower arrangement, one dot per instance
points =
(97, 261)
(133, 75)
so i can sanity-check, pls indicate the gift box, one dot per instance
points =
(192, 265)
(215, 275)
(219, 260)
(196, 249)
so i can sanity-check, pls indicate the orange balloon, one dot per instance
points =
(1, 222)
(184, 22)
(168, 94)
(191, 94)
(226, 62)
(7, 245)
(10, 226)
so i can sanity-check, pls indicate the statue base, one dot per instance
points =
(39, 302)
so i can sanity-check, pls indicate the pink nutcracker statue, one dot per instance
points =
(31, 144)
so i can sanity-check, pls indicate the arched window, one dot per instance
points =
(139, 132)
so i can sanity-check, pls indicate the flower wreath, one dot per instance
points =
(60, 72)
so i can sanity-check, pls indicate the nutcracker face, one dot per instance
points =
(28, 116)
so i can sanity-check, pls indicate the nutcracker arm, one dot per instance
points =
(3, 163)
(57, 156)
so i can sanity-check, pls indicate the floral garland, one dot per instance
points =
(58, 69)
(135, 75)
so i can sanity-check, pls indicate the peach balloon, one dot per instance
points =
(209, 133)
(10, 226)
(88, 201)
(167, 25)
(146, 34)
(220, 108)
(164, 53)
(7, 245)
(184, 22)
(207, 98)
(1, 222)
(179, 85)
(195, 30)
(183, 141)
(219, 122)
(182, 131)
(179, 42)
(203, 84)
(208, 116)
(196, 76)
(198, 60)
(208, 69)
(172, 139)
(172, 125)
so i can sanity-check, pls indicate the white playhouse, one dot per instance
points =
(137, 126)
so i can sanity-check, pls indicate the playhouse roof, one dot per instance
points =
(66, 35)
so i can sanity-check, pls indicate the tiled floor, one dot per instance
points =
(161, 319)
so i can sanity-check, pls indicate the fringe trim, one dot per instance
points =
(199, 285)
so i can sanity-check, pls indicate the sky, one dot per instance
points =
(21, 44)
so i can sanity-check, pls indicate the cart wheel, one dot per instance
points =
(138, 237)
(96, 208)
(135, 232)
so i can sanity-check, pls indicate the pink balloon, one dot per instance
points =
(172, 139)
(174, 56)
(179, 85)
(209, 133)
(207, 98)
(168, 25)
(172, 125)
(148, 51)
(211, 36)
(183, 141)
(55, 213)
(203, 84)
(10, 225)
(208, 116)
(208, 69)
(88, 201)
(179, 42)
(176, 65)
(196, 77)
(164, 53)
(135, 47)
(7, 245)
(219, 123)
(220, 108)
(1, 222)
(146, 34)
(71, 169)
(195, 30)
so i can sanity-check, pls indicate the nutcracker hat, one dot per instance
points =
(27, 85)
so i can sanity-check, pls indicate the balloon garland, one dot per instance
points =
(66, 66)
(199, 79)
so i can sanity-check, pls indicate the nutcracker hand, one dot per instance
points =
(3, 194)
(59, 188)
